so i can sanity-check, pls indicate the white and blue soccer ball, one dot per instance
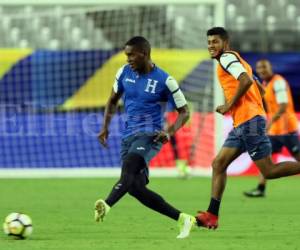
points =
(18, 225)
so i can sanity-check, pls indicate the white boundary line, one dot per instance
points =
(89, 172)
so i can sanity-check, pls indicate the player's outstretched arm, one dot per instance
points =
(110, 109)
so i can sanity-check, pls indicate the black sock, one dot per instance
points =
(120, 189)
(261, 187)
(153, 200)
(214, 206)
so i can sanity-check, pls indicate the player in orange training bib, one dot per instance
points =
(282, 121)
(243, 97)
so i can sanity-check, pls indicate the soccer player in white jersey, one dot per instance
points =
(144, 87)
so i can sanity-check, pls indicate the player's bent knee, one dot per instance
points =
(265, 174)
(136, 191)
(218, 166)
(133, 191)
(269, 175)
(138, 187)
(133, 163)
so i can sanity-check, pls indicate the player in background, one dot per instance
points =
(143, 87)
(243, 101)
(180, 163)
(282, 124)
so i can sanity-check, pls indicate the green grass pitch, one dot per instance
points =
(62, 213)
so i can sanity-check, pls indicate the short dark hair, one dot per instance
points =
(263, 59)
(139, 42)
(220, 31)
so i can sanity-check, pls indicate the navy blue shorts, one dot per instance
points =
(290, 141)
(251, 137)
(143, 145)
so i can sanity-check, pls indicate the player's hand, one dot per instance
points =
(223, 109)
(102, 137)
(162, 136)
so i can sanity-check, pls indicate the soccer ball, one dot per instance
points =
(18, 225)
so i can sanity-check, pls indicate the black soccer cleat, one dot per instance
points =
(254, 193)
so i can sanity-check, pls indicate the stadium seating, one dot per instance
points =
(276, 20)
(58, 27)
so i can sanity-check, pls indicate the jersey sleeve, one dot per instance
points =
(176, 94)
(232, 64)
(280, 90)
(118, 86)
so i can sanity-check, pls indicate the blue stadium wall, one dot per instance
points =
(48, 101)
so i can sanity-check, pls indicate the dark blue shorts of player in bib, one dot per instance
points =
(251, 137)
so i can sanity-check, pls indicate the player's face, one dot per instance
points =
(135, 58)
(264, 69)
(215, 45)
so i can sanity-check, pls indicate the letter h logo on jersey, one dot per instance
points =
(151, 85)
